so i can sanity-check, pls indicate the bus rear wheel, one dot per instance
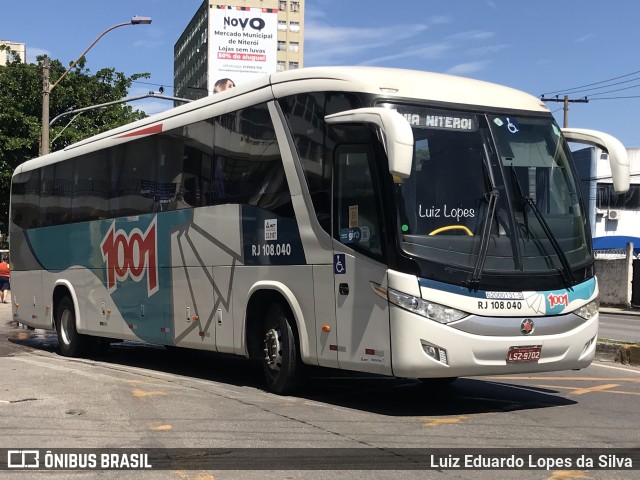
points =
(71, 343)
(280, 362)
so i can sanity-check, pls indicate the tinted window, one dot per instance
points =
(90, 196)
(186, 166)
(248, 167)
(305, 115)
(55, 194)
(134, 189)
(25, 190)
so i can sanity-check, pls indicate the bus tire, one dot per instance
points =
(71, 343)
(280, 362)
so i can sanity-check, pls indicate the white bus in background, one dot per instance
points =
(614, 217)
(396, 222)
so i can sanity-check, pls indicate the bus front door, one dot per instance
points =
(362, 316)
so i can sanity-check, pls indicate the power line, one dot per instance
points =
(606, 86)
(616, 90)
(614, 98)
(570, 90)
(153, 84)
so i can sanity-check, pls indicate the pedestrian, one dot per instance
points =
(5, 274)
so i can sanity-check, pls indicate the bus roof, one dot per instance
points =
(390, 83)
(399, 83)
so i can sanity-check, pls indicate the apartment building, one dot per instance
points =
(19, 48)
(237, 40)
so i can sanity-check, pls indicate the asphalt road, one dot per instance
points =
(620, 326)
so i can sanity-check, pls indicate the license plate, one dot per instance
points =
(524, 354)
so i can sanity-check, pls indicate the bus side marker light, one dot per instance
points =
(326, 328)
(195, 317)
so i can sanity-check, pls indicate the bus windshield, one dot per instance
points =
(491, 193)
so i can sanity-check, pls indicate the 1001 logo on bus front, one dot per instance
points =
(129, 255)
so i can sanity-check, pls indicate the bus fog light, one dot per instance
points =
(437, 353)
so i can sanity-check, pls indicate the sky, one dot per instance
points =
(554, 47)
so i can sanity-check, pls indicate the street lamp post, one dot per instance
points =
(47, 86)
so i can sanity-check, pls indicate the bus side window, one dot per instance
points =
(357, 219)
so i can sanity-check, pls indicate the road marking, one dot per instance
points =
(160, 427)
(568, 475)
(436, 422)
(558, 387)
(629, 369)
(182, 475)
(575, 379)
(142, 394)
(596, 388)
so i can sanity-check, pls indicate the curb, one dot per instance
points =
(625, 354)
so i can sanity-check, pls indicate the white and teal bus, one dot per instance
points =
(396, 222)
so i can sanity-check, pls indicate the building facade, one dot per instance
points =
(237, 40)
(614, 218)
(5, 53)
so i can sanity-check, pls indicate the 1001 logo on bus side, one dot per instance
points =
(129, 255)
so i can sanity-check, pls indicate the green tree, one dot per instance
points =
(21, 112)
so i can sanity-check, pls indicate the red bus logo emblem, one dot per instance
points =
(558, 300)
(129, 255)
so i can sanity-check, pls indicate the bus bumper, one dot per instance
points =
(460, 353)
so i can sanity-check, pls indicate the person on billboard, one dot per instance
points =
(223, 84)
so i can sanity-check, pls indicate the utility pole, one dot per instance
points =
(46, 94)
(47, 86)
(566, 100)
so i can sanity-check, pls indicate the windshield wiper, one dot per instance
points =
(492, 201)
(566, 268)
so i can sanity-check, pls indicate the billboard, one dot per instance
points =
(244, 43)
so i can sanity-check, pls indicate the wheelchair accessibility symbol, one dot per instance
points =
(339, 265)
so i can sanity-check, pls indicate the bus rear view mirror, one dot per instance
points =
(618, 158)
(398, 135)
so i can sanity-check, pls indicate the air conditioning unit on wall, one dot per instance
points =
(614, 214)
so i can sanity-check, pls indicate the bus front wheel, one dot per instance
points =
(280, 361)
(71, 343)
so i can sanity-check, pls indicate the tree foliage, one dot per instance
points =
(21, 112)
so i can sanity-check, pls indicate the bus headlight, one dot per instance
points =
(589, 310)
(431, 310)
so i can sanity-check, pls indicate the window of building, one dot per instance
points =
(294, 46)
(293, 65)
(282, 46)
(607, 198)
(294, 26)
(295, 6)
(280, 66)
(282, 5)
(282, 24)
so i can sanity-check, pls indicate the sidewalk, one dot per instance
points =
(626, 354)
(622, 311)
